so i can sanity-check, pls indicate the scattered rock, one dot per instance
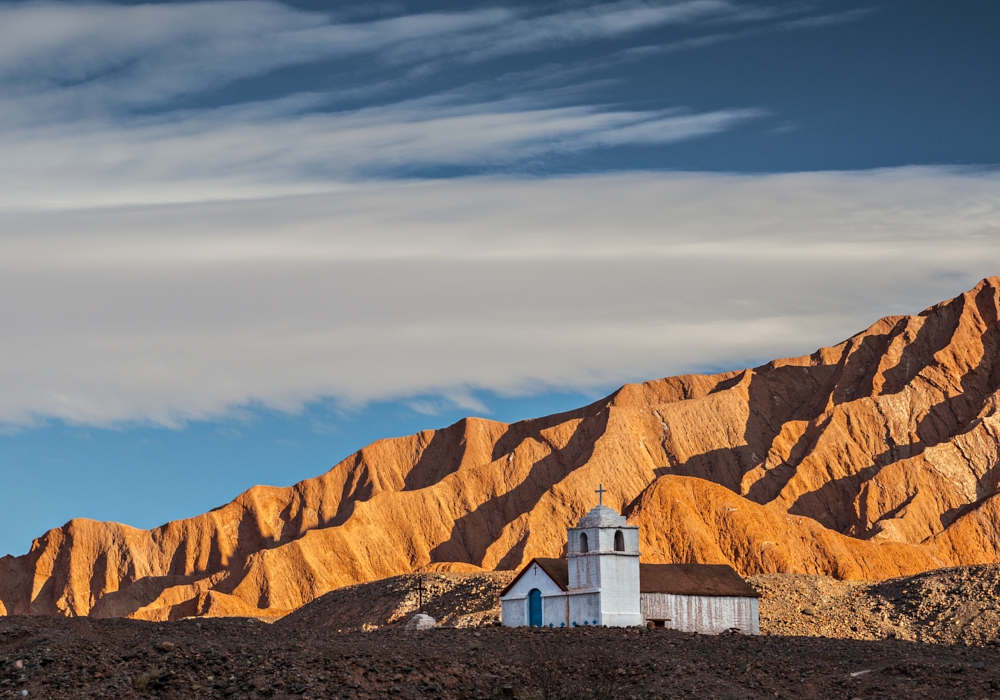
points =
(281, 662)
(420, 622)
(166, 646)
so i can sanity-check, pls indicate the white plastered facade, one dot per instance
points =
(603, 579)
(514, 603)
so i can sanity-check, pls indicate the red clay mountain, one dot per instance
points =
(874, 458)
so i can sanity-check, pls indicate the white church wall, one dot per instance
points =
(620, 590)
(555, 610)
(584, 609)
(602, 539)
(703, 614)
(573, 540)
(514, 612)
(613, 575)
(584, 573)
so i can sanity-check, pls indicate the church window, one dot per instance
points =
(619, 541)
(584, 547)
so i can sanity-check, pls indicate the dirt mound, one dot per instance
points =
(945, 606)
(453, 600)
(879, 457)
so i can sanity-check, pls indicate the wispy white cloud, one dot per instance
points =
(89, 112)
(165, 313)
(261, 150)
(105, 55)
(588, 24)
(61, 60)
(711, 38)
(826, 20)
(161, 262)
(98, 56)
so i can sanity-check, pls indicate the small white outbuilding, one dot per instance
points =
(601, 582)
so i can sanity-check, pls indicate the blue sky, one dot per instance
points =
(239, 240)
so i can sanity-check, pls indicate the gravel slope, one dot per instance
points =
(944, 606)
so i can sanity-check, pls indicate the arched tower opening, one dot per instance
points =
(619, 541)
(584, 545)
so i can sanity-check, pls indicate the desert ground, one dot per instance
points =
(239, 658)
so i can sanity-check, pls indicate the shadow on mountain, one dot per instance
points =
(474, 532)
(442, 456)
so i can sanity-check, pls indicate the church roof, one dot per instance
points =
(602, 516)
(556, 569)
(694, 579)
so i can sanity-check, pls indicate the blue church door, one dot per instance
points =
(535, 607)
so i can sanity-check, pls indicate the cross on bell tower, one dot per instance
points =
(600, 494)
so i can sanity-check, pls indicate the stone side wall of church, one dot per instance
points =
(703, 614)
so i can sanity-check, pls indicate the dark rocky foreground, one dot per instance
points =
(237, 658)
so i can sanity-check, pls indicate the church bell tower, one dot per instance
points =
(603, 558)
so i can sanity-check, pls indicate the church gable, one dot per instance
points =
(555, 570)
(538, 596)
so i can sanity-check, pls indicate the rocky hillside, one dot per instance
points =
(871, 459)
(946, 606)
(452, 599)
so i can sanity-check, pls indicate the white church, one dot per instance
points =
(601, 582)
